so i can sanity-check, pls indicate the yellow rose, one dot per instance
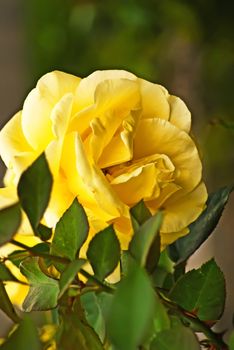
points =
(111, 139)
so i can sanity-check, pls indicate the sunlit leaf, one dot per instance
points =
(43, 292)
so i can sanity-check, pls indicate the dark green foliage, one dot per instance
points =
(44, 232)
(75, 332)
(145, 244)
(68, 275)
(139, 214)
(201, 291)
(104, 252)
(5, 304)
(34, 190)
(5, 274)
(201, 229)
(70, 232)
(10, 219)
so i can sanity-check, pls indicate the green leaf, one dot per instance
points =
(69, 274)
(18, 256)
(126, 262)
(44, 232)
(131, 311)
(104, 252)
(25, 337)
(178, 337)
(41, 248)
(5, 304)
(201, 229)
(93, 313)
(5, 274)
(70, 232)
(161, 318)
(145, 244)
(76, 333)
(139, 214)
(10, 219)
(43, 292)
(161, 321)
(34, 190)
(201, 291)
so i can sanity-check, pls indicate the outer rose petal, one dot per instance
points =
(85, 93)
(182, 209)
(36, 122)
(180, 116)
(161, 137)
(154, 100)
(60, 117)
(168, 238)
(14, 149)
(60, 200)
(157, 103)
(8, 196)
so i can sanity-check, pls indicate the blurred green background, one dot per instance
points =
(187, 46)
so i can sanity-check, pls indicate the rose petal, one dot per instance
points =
(183, 208)
(168, 238)
(161, 137)
(154, 100)
(120, 148)
(180, 116)
(85, 94)
(14, 149)
(36, 122)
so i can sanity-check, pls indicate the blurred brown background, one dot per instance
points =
(186, 46)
